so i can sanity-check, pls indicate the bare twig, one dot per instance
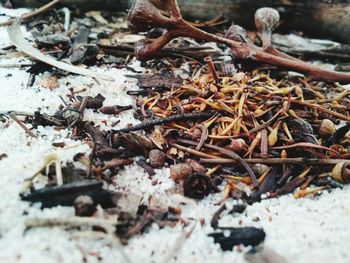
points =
(20, 123)
(275, 161)
(181, 117)
(146, 14)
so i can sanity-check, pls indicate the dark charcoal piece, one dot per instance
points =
(66, 194)
(93, 102)
(238, 209)
(268, 185)
(53, 40)
(197, 186)
(327, 181)
(247, 236)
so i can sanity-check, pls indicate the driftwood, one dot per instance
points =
(317, 18)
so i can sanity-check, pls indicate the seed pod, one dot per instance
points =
(341, 172)
(284, 154)
(273, 137)
(180, 171)
(327, 128)
(197, 186)
(84, 206)
(156, 158)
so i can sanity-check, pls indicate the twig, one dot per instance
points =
(181, 117)
(20, 123)
(192, 151)
(276, 161)
(146, 14)
(305, 145)
(212, 70)
(36, 12)
(70, 221)
(320, 108)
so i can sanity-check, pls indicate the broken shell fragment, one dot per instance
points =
(341, 172)
(327, 128)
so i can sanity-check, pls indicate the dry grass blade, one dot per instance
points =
(17, 38)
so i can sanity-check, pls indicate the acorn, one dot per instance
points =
(156, 158)
(327, 128)
(341, 172)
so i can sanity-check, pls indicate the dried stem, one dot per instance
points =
(212, 70)
(181, 117)
(322, 109)
(20, 123)
(276, 161)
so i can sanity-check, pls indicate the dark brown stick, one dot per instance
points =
(181, 117)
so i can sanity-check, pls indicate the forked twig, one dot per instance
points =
(147, 14)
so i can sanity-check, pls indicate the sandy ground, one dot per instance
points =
(313, 229)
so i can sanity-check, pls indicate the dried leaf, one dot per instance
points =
(157, 138)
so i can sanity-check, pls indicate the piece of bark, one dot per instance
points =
(318, 18)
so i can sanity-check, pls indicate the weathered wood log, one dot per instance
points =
(317, 18)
